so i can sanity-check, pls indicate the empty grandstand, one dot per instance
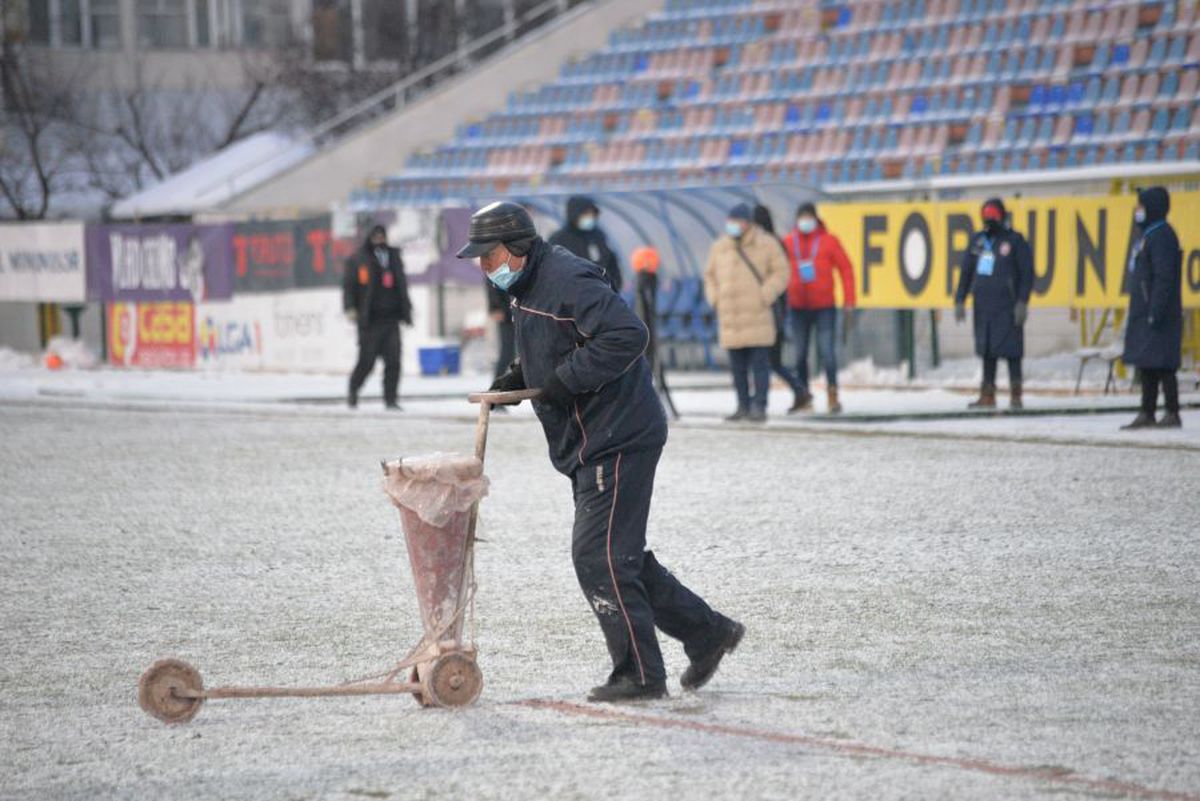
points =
(837, 94)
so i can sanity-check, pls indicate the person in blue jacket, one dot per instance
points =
(584, 348)
(998, 269)
(1154, 326)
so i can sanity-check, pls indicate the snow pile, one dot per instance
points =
(73, 353)
(14, 360)
(1057, 371)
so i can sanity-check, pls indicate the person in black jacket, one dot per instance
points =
(584, 348)
(375, 297)
(763, 219)
(1154, 327)
(581, 236)
(998, 269)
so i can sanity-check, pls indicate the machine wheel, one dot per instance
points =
(156, 690)
(415, 678)
(453, 680)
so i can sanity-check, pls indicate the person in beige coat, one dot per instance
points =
(746, 271)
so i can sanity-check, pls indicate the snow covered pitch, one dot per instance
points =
(929, 617)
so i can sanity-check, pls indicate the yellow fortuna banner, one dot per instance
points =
(909, 255)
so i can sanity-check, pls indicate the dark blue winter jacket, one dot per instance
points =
(1010, 281)
(568, 319)
(1154, 328)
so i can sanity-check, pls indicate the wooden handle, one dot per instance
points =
(494, 398)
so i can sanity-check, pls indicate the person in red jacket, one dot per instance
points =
(815, 254)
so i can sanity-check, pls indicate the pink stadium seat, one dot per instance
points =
(1149, 88)
(1063, 129)
(1140, 124)
(1129, 89)
(1137, 53)
(1188, 82)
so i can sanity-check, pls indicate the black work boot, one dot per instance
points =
(1170, 420)
(701, 670)
(740, 414)
(1143, 420)
(626, 689)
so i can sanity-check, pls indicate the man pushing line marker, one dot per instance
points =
(605, 426)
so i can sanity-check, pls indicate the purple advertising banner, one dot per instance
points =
(452, 235)
(176, 262)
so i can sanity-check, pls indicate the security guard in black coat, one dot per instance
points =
(584, 348)
(1154, 328)
(375, 298)
(998, 270)
(583, 237)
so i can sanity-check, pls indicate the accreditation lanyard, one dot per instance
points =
(1141, 243)
(987, 259)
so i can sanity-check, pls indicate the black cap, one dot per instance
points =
(741, 212)
(495, 224)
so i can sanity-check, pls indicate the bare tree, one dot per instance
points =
(142, 133)
(35, 145)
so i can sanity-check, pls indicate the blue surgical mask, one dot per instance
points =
(1139, 215)
(587, 222)
(734, 229)
(504, 276)
(806, 225)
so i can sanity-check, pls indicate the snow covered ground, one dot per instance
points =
(992, 608)
(875, 399)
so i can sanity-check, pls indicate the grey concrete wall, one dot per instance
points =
(159, 69)
(381, 148)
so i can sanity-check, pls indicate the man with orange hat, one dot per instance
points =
(998, 271)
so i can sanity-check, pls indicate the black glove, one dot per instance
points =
(1020, 313)
(555, 392)
(960, 312)
(510, 380)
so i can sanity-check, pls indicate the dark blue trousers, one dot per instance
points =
(746, 363)
(825, 321)
(630, 592)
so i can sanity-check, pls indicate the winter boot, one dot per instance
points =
(1170, 420)
(986, 399)
(835, 407)
(1016, 402)
(352, 399)
(1143, 420)
(802, 403)
(739, 415)
(701, 670)
(757, 416)
(626, 689)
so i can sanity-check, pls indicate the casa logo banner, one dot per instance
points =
(909, 255)
(155, 334)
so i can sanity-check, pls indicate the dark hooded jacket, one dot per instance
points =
(1010, 281)
(568, 320)
(591, 245)
(378, 292)
(1154, 327)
